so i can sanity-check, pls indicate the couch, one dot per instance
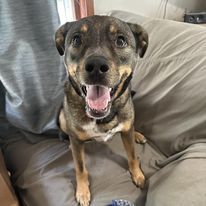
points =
(170, 104)
(170, 110)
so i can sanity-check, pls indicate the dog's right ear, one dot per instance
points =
(60, 36)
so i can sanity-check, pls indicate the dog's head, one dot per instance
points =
(99, 55)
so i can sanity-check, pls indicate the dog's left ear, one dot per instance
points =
(141, 38)
(60, 36)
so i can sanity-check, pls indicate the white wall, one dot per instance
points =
(169, 9)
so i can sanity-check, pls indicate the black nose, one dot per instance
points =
(96, 64)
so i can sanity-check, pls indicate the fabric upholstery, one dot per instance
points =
(170, 83)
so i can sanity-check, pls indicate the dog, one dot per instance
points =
(100, 53)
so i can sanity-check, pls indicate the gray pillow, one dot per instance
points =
(170, 82)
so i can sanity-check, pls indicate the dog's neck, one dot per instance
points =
(108, 118)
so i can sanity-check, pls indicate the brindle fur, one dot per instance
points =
(98, 34)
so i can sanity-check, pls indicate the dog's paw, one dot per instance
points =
(138, 178)
(83, 195)
(139, 138)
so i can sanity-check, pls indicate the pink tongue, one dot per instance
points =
(97, 97)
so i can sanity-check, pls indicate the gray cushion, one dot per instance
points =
(170, 83)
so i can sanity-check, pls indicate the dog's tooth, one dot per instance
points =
(103, 110)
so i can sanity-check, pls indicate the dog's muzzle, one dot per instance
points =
(97, 94)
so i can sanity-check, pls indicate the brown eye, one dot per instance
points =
(121, 41)
(76, 40)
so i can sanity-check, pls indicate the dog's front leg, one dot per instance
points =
(82, 190)
(134, 168)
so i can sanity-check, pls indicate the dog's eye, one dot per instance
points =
(76, 40)
(121, 41)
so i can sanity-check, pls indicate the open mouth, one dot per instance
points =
(98, 100)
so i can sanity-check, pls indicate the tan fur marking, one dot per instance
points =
(125, 70)
(59, 40)
(136, 173)
(126, 126)
(72, 69)
(134, 168)
(82, 191)
(84, 28)
(83, 195)
(139, 138)
(82, 176)
(62, 122)
(118, 90)
(82, 135)
(112, 29)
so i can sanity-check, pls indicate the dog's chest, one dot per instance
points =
(93, 131)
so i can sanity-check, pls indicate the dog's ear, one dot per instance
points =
(60, 36)
(141, 38)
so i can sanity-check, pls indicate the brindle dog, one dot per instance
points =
(100, 53)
